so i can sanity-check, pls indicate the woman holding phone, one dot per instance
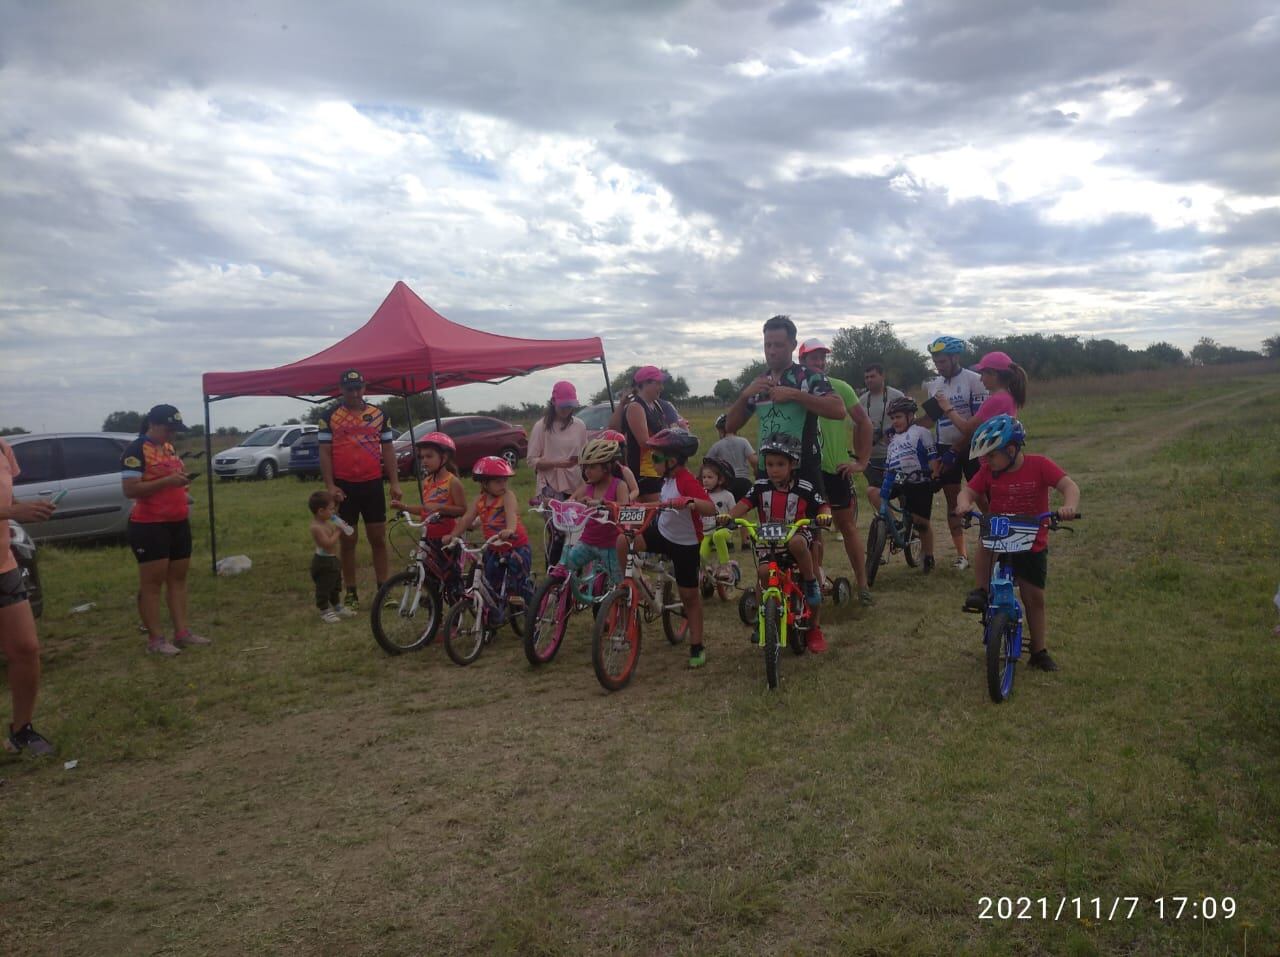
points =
(159, 529)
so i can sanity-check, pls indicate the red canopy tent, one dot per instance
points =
(405, 348)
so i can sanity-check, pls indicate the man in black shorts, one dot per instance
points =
(355, 453)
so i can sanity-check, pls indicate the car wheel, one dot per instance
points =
(511, 455)
(267, 470)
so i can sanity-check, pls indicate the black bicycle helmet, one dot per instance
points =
(722, 468)
(903, 403)
(676, 442)
(782, 444)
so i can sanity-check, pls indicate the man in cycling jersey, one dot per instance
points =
(963, 390)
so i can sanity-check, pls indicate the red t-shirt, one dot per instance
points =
(149, 461)
(1024, 492)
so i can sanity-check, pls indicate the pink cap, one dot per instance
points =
(563, 394)
(994, 362)
(648, 374)
(813, 345)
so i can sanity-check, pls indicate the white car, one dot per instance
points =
(264, 454)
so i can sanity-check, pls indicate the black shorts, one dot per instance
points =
(951, 475)
(649, 485)
(740, 487)
(919, 499)
(160, 541)
(363, 500)
(12, 591)
(685, 559)
(1031, 568)
(838, 491)
(875, 473)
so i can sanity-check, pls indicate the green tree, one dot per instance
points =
(726, 390)
(421, 406)
(195, 432)
(123, 422)
(1163, 354)
(855, 347)
(750, 373)
(13, 430)
(675, 389)
(1271, 347)
(294, 421)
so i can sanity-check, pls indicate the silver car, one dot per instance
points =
(264, 454)
(86, 467)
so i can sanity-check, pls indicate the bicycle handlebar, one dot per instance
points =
(1053, 517)
(430, 519)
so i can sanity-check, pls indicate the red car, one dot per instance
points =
(475, 435)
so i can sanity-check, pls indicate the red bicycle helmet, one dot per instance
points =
(676, 441)
(492, 466)
(438, 439)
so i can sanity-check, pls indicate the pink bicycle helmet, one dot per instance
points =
(438, 439)
(492, 466)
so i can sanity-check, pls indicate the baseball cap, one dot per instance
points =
(166, 415)
(813, 345)
(994, 362)
(351, 379)
(648, 374)
(564, 395)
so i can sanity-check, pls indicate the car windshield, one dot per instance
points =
(596, 417)
(263, 437)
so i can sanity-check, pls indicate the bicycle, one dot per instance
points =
(784, 615)
(406, 611)
(719, 580)
(563, 593)
(893, 527)
(475, 618)
(615, 639)
(1005, 535)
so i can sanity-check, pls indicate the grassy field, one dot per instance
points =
(293, 790)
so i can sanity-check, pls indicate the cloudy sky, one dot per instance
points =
(190, 187)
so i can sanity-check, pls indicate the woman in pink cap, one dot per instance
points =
(556, 442)
(1006, 383)
(641, 417)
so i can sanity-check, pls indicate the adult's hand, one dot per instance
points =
(851, 468)
(761, 384)
(785, 393)
(176, 480)
(36, 510)
(338, 494)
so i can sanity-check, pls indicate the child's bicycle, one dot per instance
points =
(1005, 535)
(719, 580)
(406, 612)
(783, 615)
(615, 640)
(892, 527)
(475, 618)
(562, 593)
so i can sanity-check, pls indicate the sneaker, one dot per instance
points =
(160, 646)
(342, 611)
(1041, 661)
(816, 643)
(960, 563)
(697, 656)
(976, 600)
(352, 600)
(27, 738)
(813, 593)
(928, 564)
(864, 596)
(188, 640)
(330, 616)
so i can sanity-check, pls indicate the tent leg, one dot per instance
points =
(607, 387)
(435, 400)
(413, 440)
(208, 464)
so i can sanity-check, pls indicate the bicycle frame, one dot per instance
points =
(893, 509)
(491, 609)
(781, 584)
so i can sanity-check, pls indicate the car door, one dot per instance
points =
(39, 476)
(286, 448)
(461, 431)
(94, 504)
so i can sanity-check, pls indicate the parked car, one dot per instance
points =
(265, 454)
(24, 551)
(84, 465)
(304, 457)
(596, 418)
(475, 435)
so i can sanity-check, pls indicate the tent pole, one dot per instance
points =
(413, 440)
(208, 463)
(607, 387)
(435, 400)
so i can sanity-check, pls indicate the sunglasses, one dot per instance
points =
(658, 458)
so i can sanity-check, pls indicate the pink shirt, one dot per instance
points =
(998, 403)
(557, 444)
(8, 471)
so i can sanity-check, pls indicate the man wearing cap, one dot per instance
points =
(840, 464)
(159, 527)
(355, 453)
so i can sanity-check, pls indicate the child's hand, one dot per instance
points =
(506, 535)
(1066, 513)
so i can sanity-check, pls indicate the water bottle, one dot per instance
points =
(346, 529)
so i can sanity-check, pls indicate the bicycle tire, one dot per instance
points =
(876, 539)
(705, 584)
(911, 551)
(464, 635)
(617, 630)
(771, 613)
(998, 637)
(749, 607)
(389, 623)
(674, 623)
(548, 619)
(841, 592)
(798, 638)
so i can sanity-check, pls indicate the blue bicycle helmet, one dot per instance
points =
(995, 434)
(946, 346)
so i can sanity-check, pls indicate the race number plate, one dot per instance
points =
(632, 516)
(1008, 533)
(773, 532)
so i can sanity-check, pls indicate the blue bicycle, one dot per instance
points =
(1004, 536)
(892, 527)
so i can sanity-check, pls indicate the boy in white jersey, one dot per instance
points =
(911, 463)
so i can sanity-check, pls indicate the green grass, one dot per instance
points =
(292, 789)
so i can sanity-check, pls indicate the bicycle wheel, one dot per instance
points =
(464, 632)
(405, 617)
(876, 539)
(749, 607)
(615, 640)
(1000, 660)
(674, 623)
(798, 638)
(548, 620)
(772, 615)
(911, 535)
(706, 583)
(841, 592)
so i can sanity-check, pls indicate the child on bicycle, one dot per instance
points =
(600, 483)
(443, 497)
(620, 463)
(913, 459)
(675, 533)
(783, 496)
(1018, 484)
(326, 571)
(498, 514)
(715, 475)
